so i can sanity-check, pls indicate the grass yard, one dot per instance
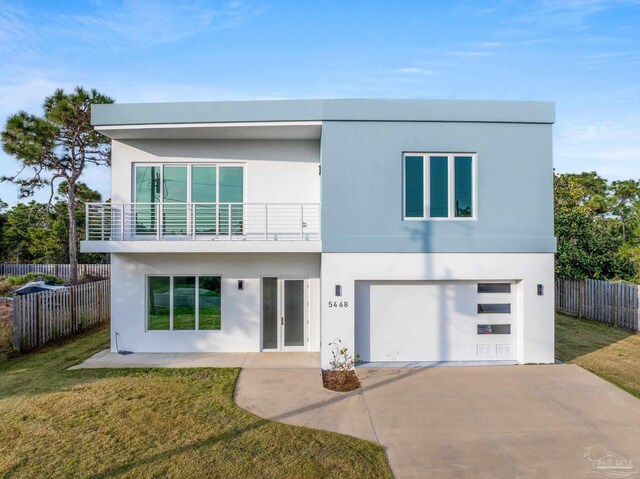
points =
(153, 423)
(611, 353)
(6, 328)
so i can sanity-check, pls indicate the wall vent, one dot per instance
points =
(503, 349)
(484, 350)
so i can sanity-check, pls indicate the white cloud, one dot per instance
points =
(16, 36)
(571, 14)
(149, 22)
(610, 147)
(471, 54)
(414, 71)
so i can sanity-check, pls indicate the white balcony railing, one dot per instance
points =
(202, 221)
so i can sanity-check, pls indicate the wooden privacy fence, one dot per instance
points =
(39, 318)
(60, 270)
(614, 303)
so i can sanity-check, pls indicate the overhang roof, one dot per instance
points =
(297, 119)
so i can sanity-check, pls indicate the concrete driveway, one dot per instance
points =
(465, 422)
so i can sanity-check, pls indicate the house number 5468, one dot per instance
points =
(341, 304)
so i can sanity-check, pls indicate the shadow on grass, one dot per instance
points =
(211, 441)
(576, 337)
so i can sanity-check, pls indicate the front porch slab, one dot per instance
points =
(280, 360)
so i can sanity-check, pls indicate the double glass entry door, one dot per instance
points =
(162, 194)
(284, 314)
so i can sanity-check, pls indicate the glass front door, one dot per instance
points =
(284, 314)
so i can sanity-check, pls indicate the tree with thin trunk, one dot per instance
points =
(57, 146)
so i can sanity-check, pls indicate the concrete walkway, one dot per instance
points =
(480, 422)
(107, 359)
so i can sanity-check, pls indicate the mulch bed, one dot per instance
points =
(341, 381)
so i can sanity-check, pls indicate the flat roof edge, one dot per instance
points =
(324, 110)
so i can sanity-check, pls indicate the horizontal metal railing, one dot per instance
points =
(202, 221)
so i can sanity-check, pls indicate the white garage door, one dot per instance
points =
(435, 321)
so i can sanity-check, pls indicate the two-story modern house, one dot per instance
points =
(411, 230)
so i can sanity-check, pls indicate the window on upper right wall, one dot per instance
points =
(439, 186)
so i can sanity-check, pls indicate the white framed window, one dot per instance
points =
(161, 192)
(184, 303)
(439, 186)
(189, 183)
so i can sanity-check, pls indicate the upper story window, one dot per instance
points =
(162, 192)
(185, 183)
(439, 186)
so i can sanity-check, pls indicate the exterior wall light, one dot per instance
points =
(240, 285)
(338, 290)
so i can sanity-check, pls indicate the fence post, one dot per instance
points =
(614, 304)
(581, 299)
(74, 310)
(37, 307)
(17, 326)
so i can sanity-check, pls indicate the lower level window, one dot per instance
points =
(183, 303)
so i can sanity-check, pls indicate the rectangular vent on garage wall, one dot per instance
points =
(497, 308)
(484, 350)
(503, 349)
(494, 287)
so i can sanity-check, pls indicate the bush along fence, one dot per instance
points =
(60, 270)
(40, 318)
(614, 303)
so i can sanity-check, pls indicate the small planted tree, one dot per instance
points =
(341, 376)
(56, 147)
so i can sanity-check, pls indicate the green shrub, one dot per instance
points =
(29, 277)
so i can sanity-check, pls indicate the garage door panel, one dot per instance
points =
(428, 321)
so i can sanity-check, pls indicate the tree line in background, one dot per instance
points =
(39, 232)
(597, 224)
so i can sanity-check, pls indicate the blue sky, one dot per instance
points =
(584, 55)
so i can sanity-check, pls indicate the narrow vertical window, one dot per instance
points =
(463, 187)
(414, 186)
(231, 190)
(147, 191)
(203, 190)
(174, 196)
(438, 187)
(209, 302)
(184, 303)
(159, 303)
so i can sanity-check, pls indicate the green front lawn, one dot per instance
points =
(611, 353)
(153, 423)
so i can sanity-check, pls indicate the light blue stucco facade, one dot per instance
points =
(362, 143)
(362, 187)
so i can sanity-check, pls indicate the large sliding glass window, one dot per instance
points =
(184, 303)
(439, 186)
(163, 191)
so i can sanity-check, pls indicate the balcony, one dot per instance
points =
(201, 227)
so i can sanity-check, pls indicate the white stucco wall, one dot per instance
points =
(241, 310)
(277, 171)
(534, 321)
